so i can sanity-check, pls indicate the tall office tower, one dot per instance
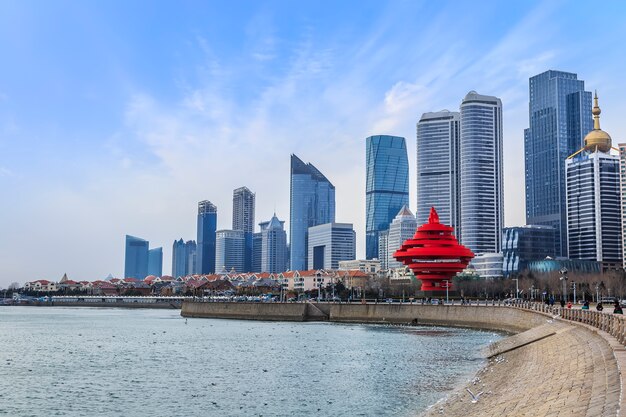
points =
(594, 218)
(622, 187)
(383, 249)
(402, 227)
(190, 248)
(207, 226)
(330, 243)
(521, 245)
(312, 202)
(559, 119)
(229, 250)
(482, 206)
(438, 168)
(155, 262)
(386, 186)
(273, 246)
(179, 258)
(136, 258)
(243, 219)
(257, 250)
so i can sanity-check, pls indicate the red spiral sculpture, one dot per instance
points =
(434, 255)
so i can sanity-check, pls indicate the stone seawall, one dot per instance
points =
(246, 311)
(171, 305)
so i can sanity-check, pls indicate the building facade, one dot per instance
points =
(438, 167)
(243, 219)
(257, 250)
(521, 245)
(383, 249)
(364, 265)
(136, 257)
(403, 227)
(330, 243)
(482, 203)
(559, 119)
(386, 186)
(273, 246)
(183, 258)
(312, 202)
(229, 250)
(594, 217)
(155, 262)
(622, 193)
(488, 265)
(207, 226)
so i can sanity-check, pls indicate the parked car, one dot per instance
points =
(436, 301)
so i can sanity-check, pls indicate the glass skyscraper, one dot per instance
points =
(312, 202)
(520, 245)
(207, 225)
(243, 219)
(386, 186)
(136, 257)
(403, 227)
(229, 250)
(438, 166)
(155, 262)
(273, 246)
(559, 119)
(183, 258)
(482, 206)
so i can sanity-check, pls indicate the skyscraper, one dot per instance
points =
(243, 219)
(257, 250)
(438, 168)
(386, 186)
(183, 258)
(273, 246)
(622, 189)
(330, 243)
(402, 227)
(559, 119)
(521, 245)
(229, 250)
(155, 262)
(207, 226)
(482, 206)
(136, 257)
(312, 202)
(594, 218)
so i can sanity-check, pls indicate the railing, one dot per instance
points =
(613, 324)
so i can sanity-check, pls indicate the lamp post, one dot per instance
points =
(516, 287)
(597, 293)
(574, 287)
(564, 279)
(447, 286)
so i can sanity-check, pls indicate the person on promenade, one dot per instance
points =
(585, 305)
(599, 307)
(569, 304)
(618, 308)
(551, 301)
(562, 303)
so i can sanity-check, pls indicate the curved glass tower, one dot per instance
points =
(386, 187)
(207, 225)
(312, 202)
(482, 207)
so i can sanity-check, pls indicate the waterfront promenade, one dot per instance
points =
(559, 362)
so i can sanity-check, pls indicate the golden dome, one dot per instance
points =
(597, 138)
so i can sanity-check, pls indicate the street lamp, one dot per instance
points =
(574, 287)
(447, 286)
(597, 293)
(563, 278)
(516, 287)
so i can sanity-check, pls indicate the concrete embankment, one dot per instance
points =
(551, 367)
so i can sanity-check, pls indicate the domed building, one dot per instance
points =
(593, 199)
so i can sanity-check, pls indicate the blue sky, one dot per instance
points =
(117, 117)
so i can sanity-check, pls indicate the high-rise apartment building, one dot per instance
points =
(207, 226)
(136, 257)
(155, 262)
(386, 186)
(312, 202)
(229, 250)
(402, 227)
(330, 243)
(482, 205)
(559, 119)
(243, 219)
(594, 217)
(438, 167)
(257, 250)
(273, 246)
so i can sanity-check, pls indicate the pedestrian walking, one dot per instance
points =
(618, 308)
(599, 307)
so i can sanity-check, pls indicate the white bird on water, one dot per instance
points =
(474, 397)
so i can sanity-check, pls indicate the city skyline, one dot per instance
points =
(134, 124)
